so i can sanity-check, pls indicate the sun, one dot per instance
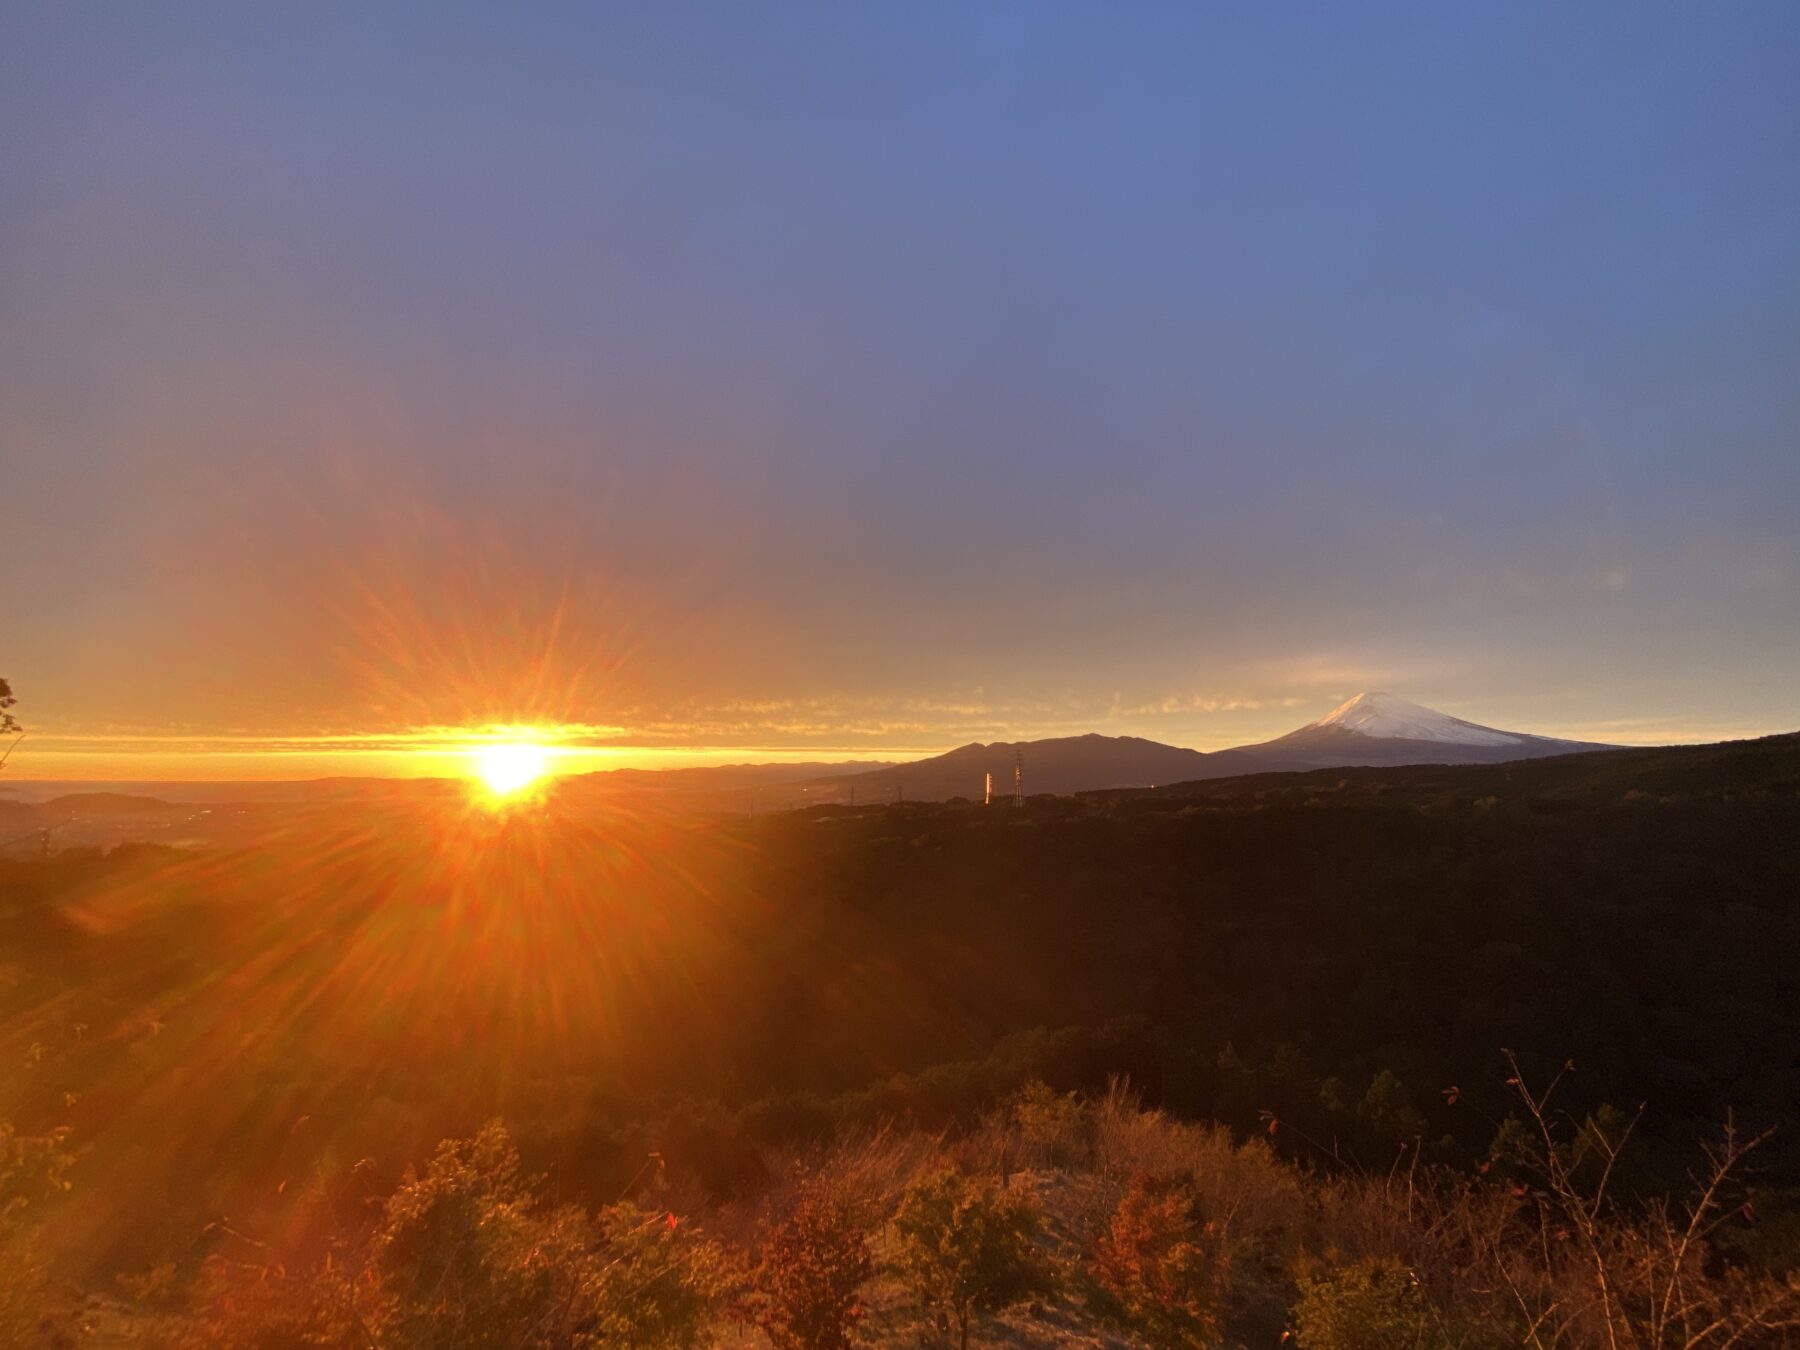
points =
(510, 768)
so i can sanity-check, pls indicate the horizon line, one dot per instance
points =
(258, 757)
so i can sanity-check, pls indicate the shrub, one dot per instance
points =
(1373, 1305)
(243, 1306)
(1638, 1274)
(462, 1255)
(33, 1170)
(654, 1283)
(469, 1259)
(809, 1284)
(967, 1248)
(1244, 1189)
(466, 1255)
(1052, 1126)
(23, 1280)
(1165, 1265)
(1386, 1111)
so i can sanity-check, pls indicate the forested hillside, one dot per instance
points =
(1335, 962)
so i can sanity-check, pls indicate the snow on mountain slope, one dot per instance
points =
(1375, 729)
(1388, 717)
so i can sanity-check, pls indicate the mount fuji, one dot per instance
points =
(1371, 729)
(1378, 728)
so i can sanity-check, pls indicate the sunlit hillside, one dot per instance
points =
(232, 1046)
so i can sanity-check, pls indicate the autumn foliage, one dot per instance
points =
(1165, 1264)
(967, 1248)
(808, 1287)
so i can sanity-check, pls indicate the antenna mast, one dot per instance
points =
(1018, 775)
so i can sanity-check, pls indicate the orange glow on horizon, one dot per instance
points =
(421, 752)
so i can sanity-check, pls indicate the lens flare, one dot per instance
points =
(509, 769)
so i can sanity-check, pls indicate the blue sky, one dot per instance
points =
(864, 376)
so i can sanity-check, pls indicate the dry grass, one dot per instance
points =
(1543, 1263)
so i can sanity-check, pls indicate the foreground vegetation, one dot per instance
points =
(1055, 1220)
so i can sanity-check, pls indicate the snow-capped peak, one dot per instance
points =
(1387, 717)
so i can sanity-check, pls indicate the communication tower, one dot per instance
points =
(1018, 776)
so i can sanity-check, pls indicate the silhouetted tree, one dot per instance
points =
(9, 725)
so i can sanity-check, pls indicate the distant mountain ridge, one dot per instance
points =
(1059, 764)
(722, 777)
(1370, 729)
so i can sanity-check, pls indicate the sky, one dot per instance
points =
(742, 381)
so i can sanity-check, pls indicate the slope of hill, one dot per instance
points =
(1301, 945)
(221, 792)
(717, 778)
(101, 804)
(1058, 765)
(1378, 728)
(1370, 729)
(1763, 767)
